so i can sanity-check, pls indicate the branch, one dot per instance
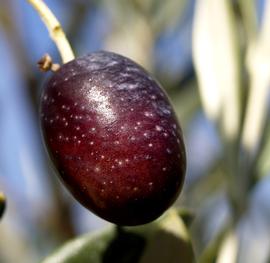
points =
(55, 29)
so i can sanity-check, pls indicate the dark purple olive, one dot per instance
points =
(114, 138)
(2, 204)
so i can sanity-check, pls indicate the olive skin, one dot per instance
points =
(113, 137)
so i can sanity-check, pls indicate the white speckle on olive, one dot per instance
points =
(169, 151)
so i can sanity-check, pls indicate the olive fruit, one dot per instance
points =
(2, 204)
(113, 137)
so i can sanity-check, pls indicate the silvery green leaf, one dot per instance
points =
(165, 240)
(216, 59)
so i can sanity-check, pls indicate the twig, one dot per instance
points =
(55, 29)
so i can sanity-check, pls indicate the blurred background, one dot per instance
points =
(213, 59)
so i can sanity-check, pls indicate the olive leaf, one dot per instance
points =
(185, 102)
(211, 252)
(263, 163)
(187, 215)
(229, 248)
(126, 19)
(217, 64)
(165, 240)
(258, 66)
(166, 13)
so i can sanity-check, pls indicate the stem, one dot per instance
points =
(55, 29)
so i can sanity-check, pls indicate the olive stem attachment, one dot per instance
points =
(55, 29)
(46, 64)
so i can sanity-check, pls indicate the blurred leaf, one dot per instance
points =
(258, 64)
(186, 215)
(229, 249)
(127, 27)
(211, 252)
(140, 20)
(2, 204)
(212, 219)
(161, 14)
(216, 59)
(263, 163)
(253, 228)
(165, 240)
(213, 181)
(166, 13)
(248, 10)
(185, 101)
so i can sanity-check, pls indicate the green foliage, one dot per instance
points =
(165, 240)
